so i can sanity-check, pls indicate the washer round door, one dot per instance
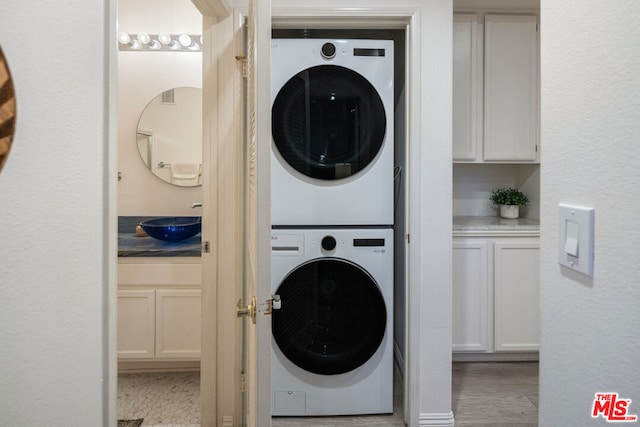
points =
(333, 316)
(328, 122)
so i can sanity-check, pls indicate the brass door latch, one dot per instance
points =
(251, 309)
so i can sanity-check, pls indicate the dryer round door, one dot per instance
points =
(333, 316)
(328, 122)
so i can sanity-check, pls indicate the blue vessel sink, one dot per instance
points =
(173, 229)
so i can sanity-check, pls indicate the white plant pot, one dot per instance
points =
(509, 211)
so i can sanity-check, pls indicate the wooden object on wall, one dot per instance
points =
(7, 110)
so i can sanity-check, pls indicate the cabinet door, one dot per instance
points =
(470, 296)
(517, 300)
(511, 88)
(136, 324)
(178, 324)
(465, 87)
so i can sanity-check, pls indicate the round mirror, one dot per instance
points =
(169, 136)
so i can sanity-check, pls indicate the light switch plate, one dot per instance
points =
(575, 236)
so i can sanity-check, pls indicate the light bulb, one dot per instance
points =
(124, 38)
(154, 44)
(184, 40)
(164, 38)
(144, 38)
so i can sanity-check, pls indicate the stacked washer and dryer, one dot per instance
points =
(332, 226)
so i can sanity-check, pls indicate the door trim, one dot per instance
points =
(428, 27)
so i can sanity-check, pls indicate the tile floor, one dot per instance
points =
(484, 394)
(168, 399)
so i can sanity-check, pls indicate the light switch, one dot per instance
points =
(575, 238)
(571, 238)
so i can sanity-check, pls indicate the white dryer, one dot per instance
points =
(332, 129)
(332, 337)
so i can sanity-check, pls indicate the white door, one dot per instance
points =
(236, 229)
(257, 342)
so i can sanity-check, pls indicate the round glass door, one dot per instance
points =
(328, 122)
(333, 316)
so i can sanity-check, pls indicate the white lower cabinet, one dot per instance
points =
(470, 296)
(136, 324)
(159, 311)
(178, 324)
(516, 295)
(495, 294)
(159, 324)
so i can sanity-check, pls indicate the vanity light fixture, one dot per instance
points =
(145, 42)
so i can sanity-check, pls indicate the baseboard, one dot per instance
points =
(131, 366)
(496, 357)
(436, 420)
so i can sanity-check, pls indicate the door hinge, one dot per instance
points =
(243, 63)
(206, 247)
(536, 148)
(243, 382)
(408, 238)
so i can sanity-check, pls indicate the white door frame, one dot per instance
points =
(428, 25)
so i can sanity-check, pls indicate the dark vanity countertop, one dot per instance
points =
(130, 245)
(475, 224)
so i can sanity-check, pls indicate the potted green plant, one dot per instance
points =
(509, 200)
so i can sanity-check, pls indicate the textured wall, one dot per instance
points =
(590, 136)
(53, 204)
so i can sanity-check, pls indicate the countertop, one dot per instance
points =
(130, 245)
(476, 224)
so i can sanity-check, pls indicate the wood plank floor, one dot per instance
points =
(495, 394)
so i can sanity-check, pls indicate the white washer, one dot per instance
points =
(332, 337)
(332, 132)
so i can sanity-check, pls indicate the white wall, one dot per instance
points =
(141, 77)
(590, 134)
(53, 278)
(473, 183)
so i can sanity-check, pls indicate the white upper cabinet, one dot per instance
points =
(495, 95)
(511, 88)
(466, 108)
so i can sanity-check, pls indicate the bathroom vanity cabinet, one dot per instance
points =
(496, 294)
(159, 310)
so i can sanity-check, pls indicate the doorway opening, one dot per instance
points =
(399, 330)
(158, 319)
